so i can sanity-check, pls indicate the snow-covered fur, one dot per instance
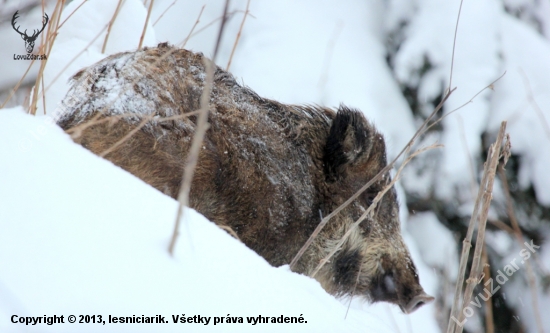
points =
(266, 170)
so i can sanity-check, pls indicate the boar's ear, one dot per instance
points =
(349, 139)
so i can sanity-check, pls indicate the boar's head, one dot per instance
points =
(374, 262)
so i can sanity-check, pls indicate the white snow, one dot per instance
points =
(83, 237)
(78, 235)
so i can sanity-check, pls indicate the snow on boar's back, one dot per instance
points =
(266, 170)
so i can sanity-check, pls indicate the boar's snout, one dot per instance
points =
(399, 285)
(417, 302)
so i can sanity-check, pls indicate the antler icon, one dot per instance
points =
(29, 40)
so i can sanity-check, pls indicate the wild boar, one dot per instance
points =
(266, 170)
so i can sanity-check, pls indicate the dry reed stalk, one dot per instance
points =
(194, 26)
(56, 77)
(198, 138)
(127, 136)
(378, 176)
(164, 12)
(531, 280)
(14, 90)
(145, 25)
(71, 14)
(96, 121)
(47, 47)
(238, 36)
(489, 322)
(371, 208)
(111, 23)
(206, 26)
(454, 45)
(483, 199)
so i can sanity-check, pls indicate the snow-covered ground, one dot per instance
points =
(80, 236)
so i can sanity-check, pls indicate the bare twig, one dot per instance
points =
(164, 12)
(484, 199)
(471, 100)
(145, 25)
(371, 208)
(47, 47)
(489, 322)
(95, 121)
(71, 14)
(198, 138)
(378, 176)
(238, 36)
(194, 26)
(111, 23)
(127, 136)
(74, 58)
(454, 44)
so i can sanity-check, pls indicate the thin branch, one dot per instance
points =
(371, 208)
(51, 36)
(145, 25)
(194, 26)
(484, 198)
(471, 100)
(378, 176)
(489, 322)
(164, 12)
(198, 138)
(238, 36)
(71, 14)
(127, 136)
(111, 23)
(454, 45)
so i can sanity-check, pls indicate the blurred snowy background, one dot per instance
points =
(391, 59)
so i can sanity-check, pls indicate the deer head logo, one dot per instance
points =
(29, 40)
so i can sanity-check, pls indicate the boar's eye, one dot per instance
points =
(368, 197)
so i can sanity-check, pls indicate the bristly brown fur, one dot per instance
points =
(266, 170)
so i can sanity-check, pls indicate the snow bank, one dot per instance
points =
(80, 236)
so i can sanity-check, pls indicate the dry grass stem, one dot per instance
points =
(369, 211)
(481, 210)
(238, 36)
(531, 280)
(51, 34)
(164, 12)
(489, 322)
(378, 176)
(71, 14)
(193, 154)
(200, 132)
(111, 23)
(145, 25)
(454, 45)
(192, 29)
(56, 77)
(471, 100)
(127, 136)
(77, 130)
